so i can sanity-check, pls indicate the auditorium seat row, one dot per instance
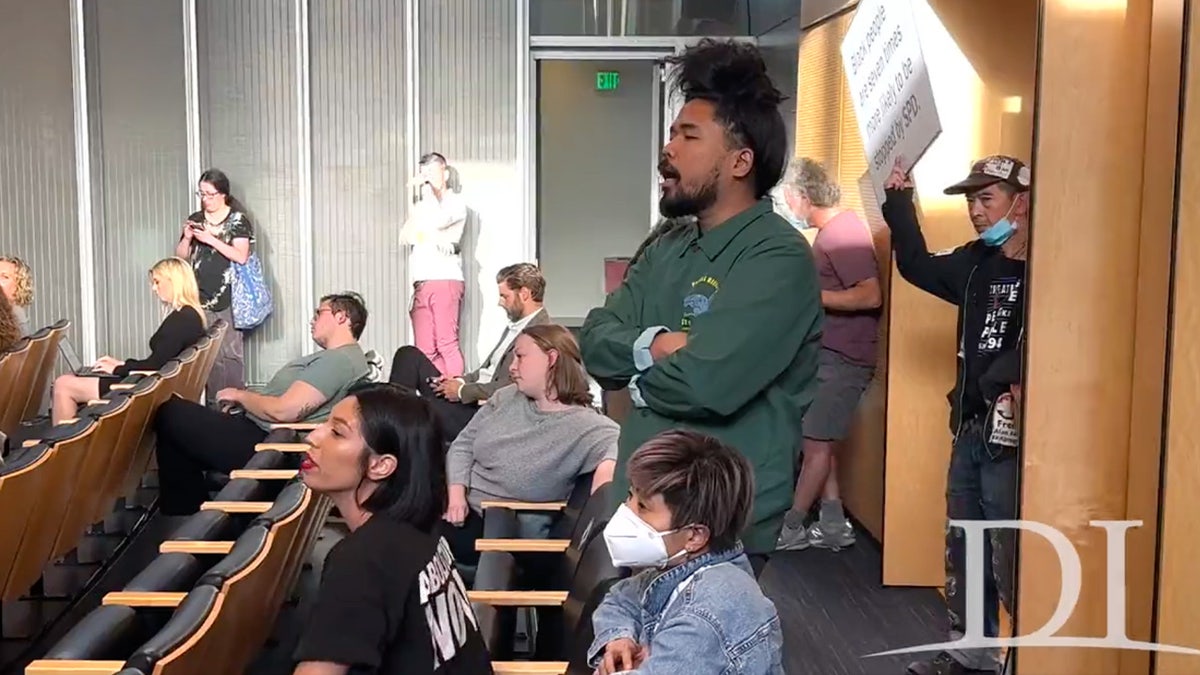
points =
(25, 371)
(55, 487)
(208, 602)
(558, 581)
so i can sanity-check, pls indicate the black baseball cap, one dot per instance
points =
(992, 170)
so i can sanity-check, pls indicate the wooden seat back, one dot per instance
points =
(121, 459)
(11, 364)
(251, 602)
(49, 506)
(48, 357)
(19, 390)
(88, 480)
(21, 482)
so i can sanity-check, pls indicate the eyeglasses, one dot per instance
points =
(319, 311)
(209, 195)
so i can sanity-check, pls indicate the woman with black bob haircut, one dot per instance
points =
(391, 600)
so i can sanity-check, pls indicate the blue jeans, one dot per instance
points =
(981, 485)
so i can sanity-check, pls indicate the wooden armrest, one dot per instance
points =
(197, 547)
(143, 373)
(524, 506)
(119, 386)
(523, 545)
(264, 474)
(297, 426)
(236, 507)
(75, 667)
(529, 667)
(282, 447)
(144, 598)
(518, 598)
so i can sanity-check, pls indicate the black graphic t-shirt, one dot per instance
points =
(214, 272)
(994, 322)
(392, 602)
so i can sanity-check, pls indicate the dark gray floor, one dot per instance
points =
(835, 612)
(833, 608)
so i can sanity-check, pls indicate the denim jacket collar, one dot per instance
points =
(658, 592)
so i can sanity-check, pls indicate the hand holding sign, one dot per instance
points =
(898, 179)
(889, 85)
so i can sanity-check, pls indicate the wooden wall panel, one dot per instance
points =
(1084, 324)
(1150, 332)
(827, 131)
(986, 49)
(981, 56)
(1178, 591)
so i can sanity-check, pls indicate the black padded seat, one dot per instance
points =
(214, 326)
(63, 432)
(248, 490)
(290, 498)
(168, 573)
(109, 405)
(268, 459)
(282, 436)
(107, 633)
(16, 346)
(581, 494)
(22, 458)
(187, 620)
(206, 526)
(594, 576)
(556, 571)
(245, 551)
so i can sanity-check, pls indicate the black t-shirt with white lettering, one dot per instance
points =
(994, 320)
(391, 602)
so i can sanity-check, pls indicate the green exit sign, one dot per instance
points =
(607, 80)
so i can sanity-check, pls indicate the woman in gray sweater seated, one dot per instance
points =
(531, 440)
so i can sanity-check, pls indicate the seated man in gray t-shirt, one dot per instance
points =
(193, 438)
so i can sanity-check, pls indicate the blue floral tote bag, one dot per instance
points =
(252, 301)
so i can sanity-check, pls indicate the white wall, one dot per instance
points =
(596, 152)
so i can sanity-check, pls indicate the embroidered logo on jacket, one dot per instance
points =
(698, 299)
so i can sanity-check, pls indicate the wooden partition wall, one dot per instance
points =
(1178, 587)
(982, 68)
(827, 131)
(1100, 254)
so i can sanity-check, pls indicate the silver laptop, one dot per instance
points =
(74, 363)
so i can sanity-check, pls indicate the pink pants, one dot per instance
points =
(434, 317)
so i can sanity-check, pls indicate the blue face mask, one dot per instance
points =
(999, 233)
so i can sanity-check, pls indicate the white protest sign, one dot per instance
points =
(889, 85)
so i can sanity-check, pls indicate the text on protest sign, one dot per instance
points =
(889, 85)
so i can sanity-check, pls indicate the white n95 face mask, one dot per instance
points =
(633, 543)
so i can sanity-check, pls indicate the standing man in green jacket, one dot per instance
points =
(718, 325)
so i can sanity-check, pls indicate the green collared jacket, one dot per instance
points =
(746, 293)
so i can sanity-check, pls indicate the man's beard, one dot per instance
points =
(680, 203)
(515, 314)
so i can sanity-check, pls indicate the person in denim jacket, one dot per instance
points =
(695, 607)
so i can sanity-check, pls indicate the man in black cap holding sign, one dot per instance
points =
(985, 279)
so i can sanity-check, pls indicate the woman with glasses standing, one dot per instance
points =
(214, 238)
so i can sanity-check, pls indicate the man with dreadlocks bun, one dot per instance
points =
(717, 325)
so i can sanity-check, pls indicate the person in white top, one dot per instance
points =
(434, 234)
(522, 289)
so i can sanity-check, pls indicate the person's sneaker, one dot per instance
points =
(792, 538)
(375, 366)
(942, 664)
(834, 539)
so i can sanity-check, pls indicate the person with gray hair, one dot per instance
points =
(851, 298)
